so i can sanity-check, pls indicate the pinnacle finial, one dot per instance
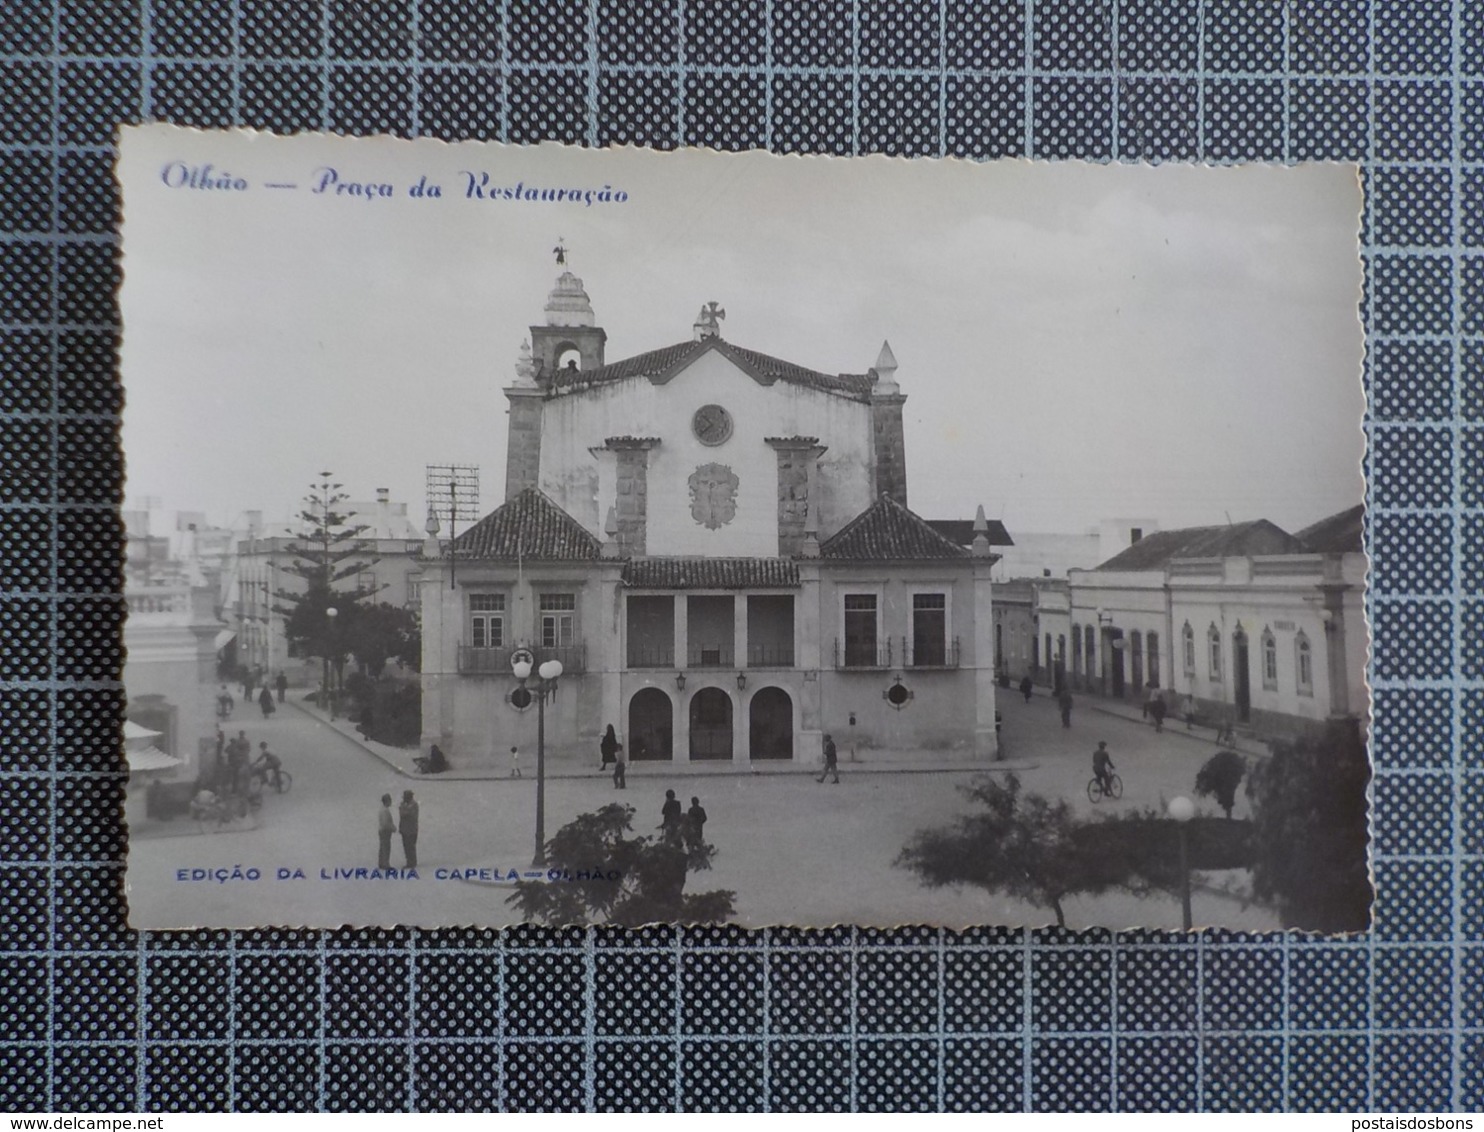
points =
(560, 251)
(885, 370)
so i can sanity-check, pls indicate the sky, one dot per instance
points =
(1076, 342)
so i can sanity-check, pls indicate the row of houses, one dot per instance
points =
(1242, 622)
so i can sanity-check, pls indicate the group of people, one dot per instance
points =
(236, 771)
(680, 826)
(266, 701)
(403, 821)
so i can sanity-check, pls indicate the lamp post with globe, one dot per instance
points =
(1182, 809)
(330, 615)
(542, 686)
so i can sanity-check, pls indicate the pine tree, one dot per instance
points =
(329, 548)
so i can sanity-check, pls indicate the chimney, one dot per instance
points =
(886, 428)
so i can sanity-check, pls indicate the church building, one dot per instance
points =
(717, 546)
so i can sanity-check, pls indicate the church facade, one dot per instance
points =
(717, 546)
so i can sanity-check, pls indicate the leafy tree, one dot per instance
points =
(623, 879)
(1220, 777)
(382, 632)
(329, 549)
(1021, 845)
(1309, 821)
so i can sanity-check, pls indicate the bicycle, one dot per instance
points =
(280, 780)
(1096, 791)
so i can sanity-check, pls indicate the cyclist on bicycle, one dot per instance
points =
(267, 767)
(1102, 766)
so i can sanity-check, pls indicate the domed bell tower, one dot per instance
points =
(567, 342)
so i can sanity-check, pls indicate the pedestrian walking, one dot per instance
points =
(239, 752)
(1026, 687)
(695, 824)
(247, 687)
(386, 825)
(670, 817)
(1064, 701)
(221, 749)
(515, 762)
(282, 684)
(831, 761)
(265, 701)
(1157, 711)
(620, 768)
(407, 826)
(607, 747)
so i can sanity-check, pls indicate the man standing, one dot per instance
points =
(282, 684)
(407, 823)
(1064, 701)
(386, 825)
(831, 761)
(695, 824)
(1027, 686)
(620, 767)
(670, 815)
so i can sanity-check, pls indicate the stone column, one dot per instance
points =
(523, 451)
(741, 719)
(986, 738)
(808, 652)
(797, 456)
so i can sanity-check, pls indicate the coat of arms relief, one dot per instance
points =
(713, 495)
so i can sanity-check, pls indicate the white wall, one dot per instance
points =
(574, 424)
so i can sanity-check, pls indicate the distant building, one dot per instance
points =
(1246, 620)
(716, 544)
(171, 634)
(264, 579)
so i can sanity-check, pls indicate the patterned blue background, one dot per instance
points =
(94, 1016)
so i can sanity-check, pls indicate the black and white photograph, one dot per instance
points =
(584, 536)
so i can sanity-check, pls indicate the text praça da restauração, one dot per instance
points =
(328, 181)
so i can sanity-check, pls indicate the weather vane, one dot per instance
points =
(561, 251)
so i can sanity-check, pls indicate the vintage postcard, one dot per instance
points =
(611, 536)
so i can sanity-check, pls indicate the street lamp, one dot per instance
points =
(544, 685)
(1182, 809)
(330, 615)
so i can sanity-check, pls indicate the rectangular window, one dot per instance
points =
(860, 630)
(1305, 667)
(557, 613)
(487, 621)
(929, 629)
(1189, 651)
(1213, 649)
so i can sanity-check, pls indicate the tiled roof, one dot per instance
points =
(530, 527)
(961, 531)
(661, 365)
(1338, 534)
(710, 573)
(888, 531)
(1235, 540)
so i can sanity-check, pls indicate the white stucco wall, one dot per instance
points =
(573, 425)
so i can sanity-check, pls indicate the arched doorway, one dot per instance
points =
(771, 725)
(711, 724)
(651, 725)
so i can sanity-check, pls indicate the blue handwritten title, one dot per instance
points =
(328, 182)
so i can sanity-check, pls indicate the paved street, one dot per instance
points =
(795, 851)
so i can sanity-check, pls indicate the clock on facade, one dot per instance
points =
(712, 425)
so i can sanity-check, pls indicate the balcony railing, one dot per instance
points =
(937, 654)
(863, 655)
(709, 656)
(484, 662)
(496, 662)
(770, 656)
(658, 657)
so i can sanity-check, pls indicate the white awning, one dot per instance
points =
(151, 758)
(223, 639)
(134, 731)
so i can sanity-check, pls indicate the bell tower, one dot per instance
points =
(569, 339)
